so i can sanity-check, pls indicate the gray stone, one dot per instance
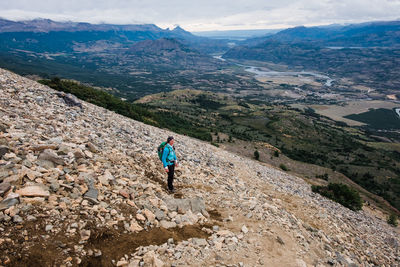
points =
(167, 224)
(178, 255)
(3, 150)
(51, 156)
(54, 186)
(280, 241)
(70, 100)
(173, 204)
(219, 257)
(97, 252)
(205, 213)
(197, 205)
(201, 242)
(8, 203)
(3, 127)
(92, 148)
(159, 215)
(7, 218)
(92, 195)
(30, 218)
(3, 174)
(56, 140)
(4, 187)
(63, 150)
(27, 163)
(48, 227)
(215, 228)
(17, 219)
(45, 164)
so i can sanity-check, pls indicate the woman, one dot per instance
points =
(169, 161)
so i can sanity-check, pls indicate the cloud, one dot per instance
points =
(206, 14)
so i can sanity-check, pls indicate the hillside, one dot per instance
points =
(44, 35)
(83, 186)
(168, 54)
(301, 135)
(131, 60)
(369, 34)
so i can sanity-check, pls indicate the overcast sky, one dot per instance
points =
(205, 14)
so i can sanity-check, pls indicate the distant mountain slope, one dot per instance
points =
(43, 35)
(170, 54)
(372, 34)
(236, 34)
(47, 25)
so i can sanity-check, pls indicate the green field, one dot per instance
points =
(378, 118)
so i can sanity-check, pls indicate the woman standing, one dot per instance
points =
(169, 161)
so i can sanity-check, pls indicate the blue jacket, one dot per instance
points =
(168, 155)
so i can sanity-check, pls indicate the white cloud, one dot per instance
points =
(206, 14)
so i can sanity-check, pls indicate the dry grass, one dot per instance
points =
(337, 113)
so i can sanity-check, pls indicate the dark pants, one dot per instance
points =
(171, 169)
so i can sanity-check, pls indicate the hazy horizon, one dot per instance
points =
(207, 15)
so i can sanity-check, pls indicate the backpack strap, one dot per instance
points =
(169, 151)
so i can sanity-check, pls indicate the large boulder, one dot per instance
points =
(50, 155)
(196, 205)
(33, 191)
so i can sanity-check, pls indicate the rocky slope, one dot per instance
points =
(83, 186)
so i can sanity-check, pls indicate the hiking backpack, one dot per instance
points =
(160, 149)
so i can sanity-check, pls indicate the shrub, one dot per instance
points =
(323, 176)
(392, 220)
(340, 193)
(214, 144)
(276, 153)
(256, 155)
(283, 167)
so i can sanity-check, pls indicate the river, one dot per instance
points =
(268, 73)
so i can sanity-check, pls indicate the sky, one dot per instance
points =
(205, 15)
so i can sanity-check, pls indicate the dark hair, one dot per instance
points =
(169, 139)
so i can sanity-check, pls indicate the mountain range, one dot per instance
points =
(81, 185)
(370, 34)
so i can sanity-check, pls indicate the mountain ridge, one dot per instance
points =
(47, 25)
(369, 34)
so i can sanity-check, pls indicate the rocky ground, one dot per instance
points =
(80, 185)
